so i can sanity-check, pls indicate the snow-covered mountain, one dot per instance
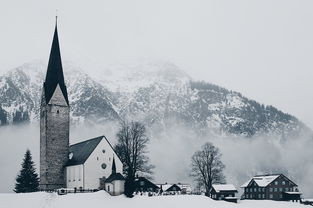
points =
(155, 93)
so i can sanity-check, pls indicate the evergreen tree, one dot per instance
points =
(27, 180)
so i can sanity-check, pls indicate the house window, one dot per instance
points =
(280, 189)
(79, 174)
(142, 183)
(73, 172)
(103, 150)
(263, 196)
(255, 189)
(251, 196)
(259, 196)
(263, 189)
(260, 189)
(108, 188)
(247, 189)
(283, 182)
(275, 189)
(276, 182)
(247, 196)
(271, 196)
(271, 189)
(286, 189)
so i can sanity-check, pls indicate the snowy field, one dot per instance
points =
(102, 199)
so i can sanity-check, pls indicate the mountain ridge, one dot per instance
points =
(154, 93)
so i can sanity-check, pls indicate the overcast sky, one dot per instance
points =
(263, 49)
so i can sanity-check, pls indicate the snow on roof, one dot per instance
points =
(293, 192)
(186, 187)
(166, 186)
(224, 187)
(262, 180)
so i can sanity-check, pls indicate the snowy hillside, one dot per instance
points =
(102, 199)
(157, 93)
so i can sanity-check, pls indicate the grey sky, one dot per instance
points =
(262, 48)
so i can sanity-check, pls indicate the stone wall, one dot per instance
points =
(54, 142)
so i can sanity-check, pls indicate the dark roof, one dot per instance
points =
(174, 187)
(265, 180)
(82, 150)
(113, 166)
(54, 74)
(147, 183)
(114, 177)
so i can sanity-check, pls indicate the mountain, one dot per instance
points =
(159, 94)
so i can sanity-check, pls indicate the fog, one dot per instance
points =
(170, 151)
(262, 49)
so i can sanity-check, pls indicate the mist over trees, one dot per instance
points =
(27, 180)
(207, 167)
(3, 117)
(131, 148)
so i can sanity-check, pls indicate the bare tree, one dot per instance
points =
(132, 149)
(207, 167)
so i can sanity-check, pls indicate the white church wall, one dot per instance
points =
(75, 176)
(94, 168)
(109, 188)
(118, 187)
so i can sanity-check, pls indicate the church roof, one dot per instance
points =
(54, 74)
(114, 177)
(80, 152)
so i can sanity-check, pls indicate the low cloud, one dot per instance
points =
(170, 151)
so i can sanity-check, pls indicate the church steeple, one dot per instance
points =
(54, 74)
(54, 123)
(113, 166)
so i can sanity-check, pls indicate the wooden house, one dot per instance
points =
(226, 192)
(271, 187)
(142, 184)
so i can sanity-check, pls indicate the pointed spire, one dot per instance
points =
(113, 166)
(54, 74)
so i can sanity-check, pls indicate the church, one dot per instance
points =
(84, 165)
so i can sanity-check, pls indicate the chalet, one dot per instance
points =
(142, 184)
(185, 188)
(169, 188)
(226, 192)
(271, 187)
(89, 161)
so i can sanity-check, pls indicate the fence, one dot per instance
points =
(64, 191)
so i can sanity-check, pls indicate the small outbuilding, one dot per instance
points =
(114, 184)
(226, 192)
(142, 184)
(170, 188)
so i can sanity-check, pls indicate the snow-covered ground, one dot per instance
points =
(102, 199)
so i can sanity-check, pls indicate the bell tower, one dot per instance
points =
(54, 122)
